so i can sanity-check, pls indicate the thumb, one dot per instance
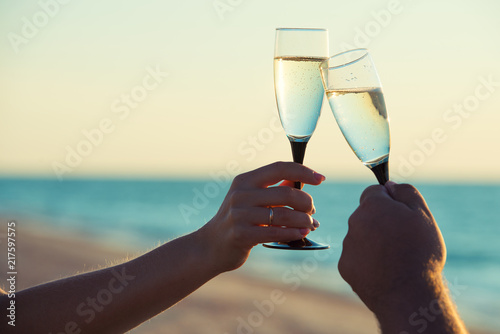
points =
(408, 195)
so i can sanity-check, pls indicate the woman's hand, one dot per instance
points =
(244, 217)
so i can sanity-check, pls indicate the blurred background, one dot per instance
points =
(124, 122)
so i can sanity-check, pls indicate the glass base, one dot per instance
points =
(302, 244)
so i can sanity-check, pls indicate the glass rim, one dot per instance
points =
(299, 29)
(366, 53)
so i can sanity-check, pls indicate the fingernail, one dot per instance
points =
(319, 177)
(315, 223)
(304, 231)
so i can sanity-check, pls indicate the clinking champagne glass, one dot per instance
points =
(299, 92)
(355, 96)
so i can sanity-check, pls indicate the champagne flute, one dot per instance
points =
(299, 92)
(355, 96)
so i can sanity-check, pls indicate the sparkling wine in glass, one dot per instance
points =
(355, 96)
(299, 96)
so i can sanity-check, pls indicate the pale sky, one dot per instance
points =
(184, 88)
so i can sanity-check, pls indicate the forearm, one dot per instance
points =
(427, 309)
(116, 299)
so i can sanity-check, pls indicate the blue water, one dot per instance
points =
(140, 213)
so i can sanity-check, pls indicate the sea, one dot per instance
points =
(138, 214)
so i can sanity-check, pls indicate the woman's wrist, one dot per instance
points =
(208, 249)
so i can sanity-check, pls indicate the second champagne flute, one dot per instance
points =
(355, 95)
(299, 95)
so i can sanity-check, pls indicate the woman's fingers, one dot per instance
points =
(256, 213)
(287, 183)
(277, 217)
(253, 213)
(276, 172)
(277, 196)
(293, 218)
(261, 234)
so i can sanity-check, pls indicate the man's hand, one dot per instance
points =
(393, 256)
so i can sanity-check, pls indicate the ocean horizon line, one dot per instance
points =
(224, 179)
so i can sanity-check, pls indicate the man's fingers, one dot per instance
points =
(402, 193)
(278, 171)
(375, 191)
(407, 194)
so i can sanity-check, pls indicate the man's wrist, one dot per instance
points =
(411, 307)
(425, 307)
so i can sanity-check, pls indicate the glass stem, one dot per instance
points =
(298, 153)
(381, 171)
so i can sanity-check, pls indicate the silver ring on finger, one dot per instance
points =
(271, 217)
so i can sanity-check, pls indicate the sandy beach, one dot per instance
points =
(231, 303)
